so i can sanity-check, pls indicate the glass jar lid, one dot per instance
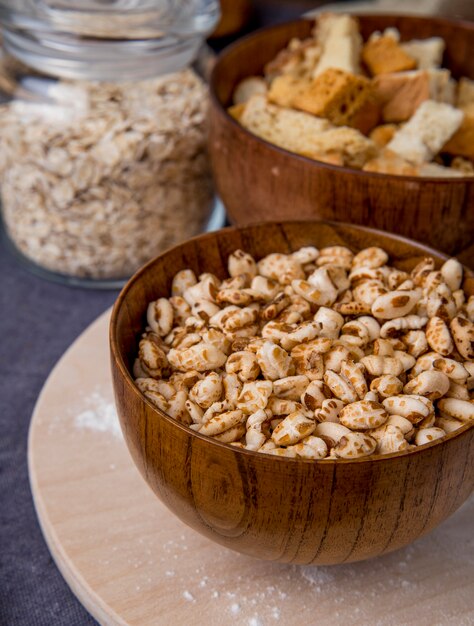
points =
(106, 39)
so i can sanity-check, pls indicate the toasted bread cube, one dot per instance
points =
(285, 61)
(423, 136)
(462, 142)
(388, 162)
(352, 147)
(336, 95)
(381, 135)
(428, 53)
(333, 158)
(285, 89)
(384, 54)
(292, 130)
(467, 109)
(298, 59)
(341, 43)
(247, 88)
(236, 111)
(306, 134)
(465, 93)
(367, 117)
(465, 166)
(433, 169)
(391, 31)
(442, 86)
(401, 93)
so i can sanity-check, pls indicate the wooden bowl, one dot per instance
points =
(258, 181)
(234, 15)
(281, 509)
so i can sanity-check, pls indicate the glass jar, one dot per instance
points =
(103, 159)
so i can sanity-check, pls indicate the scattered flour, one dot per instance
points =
(187, 595)
(316, 575)
(276, 612)
(100, 415)
(235, 608)
(359, 593)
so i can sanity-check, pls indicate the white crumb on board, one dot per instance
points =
(235, 608)
(99, 414)
(187, 595)
(316, 575)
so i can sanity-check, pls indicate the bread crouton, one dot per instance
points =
(333, 158)
(442, 86)
(465, 93)
(401, 93)
(236, 111)
(423, 136)
(299, 59)
(351, 146)
(292, 130)
(247, 88)
(306, 134)
(428, 53)
(433, 169)
(382, 134)
(388, 162)
(463, 165)
(285, 89)
(384, 55)
(462, 142)
(341, 43)
(391, 31)
(467, 109)
(341, 97)
(367, 117)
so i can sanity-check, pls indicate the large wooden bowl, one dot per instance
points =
(258, 181)
(287, 510)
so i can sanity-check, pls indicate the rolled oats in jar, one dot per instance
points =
(103, 160)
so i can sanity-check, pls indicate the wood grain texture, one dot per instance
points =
(257, 180)
(132, 562)
(274, 508)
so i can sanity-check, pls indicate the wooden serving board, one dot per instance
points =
(131, 562)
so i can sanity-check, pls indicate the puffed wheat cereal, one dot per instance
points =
(317, 354)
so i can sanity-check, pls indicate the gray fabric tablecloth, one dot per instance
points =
(38, 321)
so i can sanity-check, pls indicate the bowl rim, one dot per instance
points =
(126, 376)
(261, 32)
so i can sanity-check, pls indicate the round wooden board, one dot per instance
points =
(130, 561)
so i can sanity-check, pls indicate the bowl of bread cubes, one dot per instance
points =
(300, 391)
(367, 120)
